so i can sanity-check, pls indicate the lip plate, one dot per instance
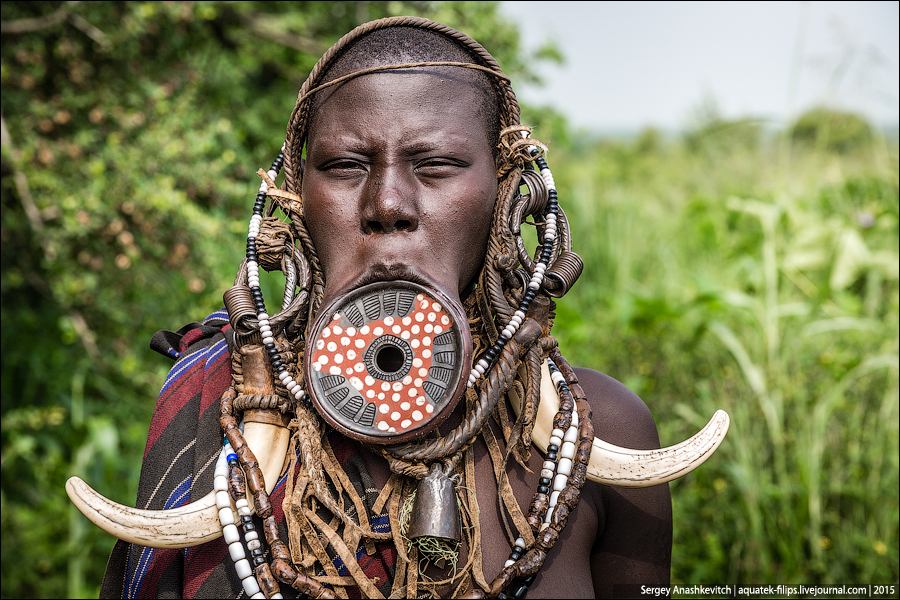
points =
(454, 390)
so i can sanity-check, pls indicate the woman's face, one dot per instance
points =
(400, 181)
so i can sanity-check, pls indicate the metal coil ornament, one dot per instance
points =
(239, 304)
(563, 274)
(533, 203)
(387, 362)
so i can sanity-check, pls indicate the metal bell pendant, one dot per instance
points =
(435, 512)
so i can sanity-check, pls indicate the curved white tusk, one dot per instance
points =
(623, 467)
(190, 525)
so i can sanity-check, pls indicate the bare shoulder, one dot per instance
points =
(620, 417)
(634, 538)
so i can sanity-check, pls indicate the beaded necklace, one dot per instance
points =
(256, 293)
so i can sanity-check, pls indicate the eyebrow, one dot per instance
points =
(450, 144)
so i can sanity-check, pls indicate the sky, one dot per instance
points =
(634, 64)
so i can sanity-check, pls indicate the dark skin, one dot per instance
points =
(400, 183)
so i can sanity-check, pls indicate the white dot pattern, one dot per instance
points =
(400, 405)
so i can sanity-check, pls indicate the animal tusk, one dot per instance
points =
(198, 522)
(190, 525)
(623, 467)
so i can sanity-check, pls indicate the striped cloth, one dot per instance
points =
(182, 447)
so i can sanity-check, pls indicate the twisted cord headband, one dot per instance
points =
(303, 96)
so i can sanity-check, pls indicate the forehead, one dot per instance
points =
(440, 99)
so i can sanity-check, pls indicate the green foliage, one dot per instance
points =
(835, 130)
(131, 135)
(713, 282)
(710, 134)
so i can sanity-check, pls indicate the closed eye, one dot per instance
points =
(439, 167)
(343, 167)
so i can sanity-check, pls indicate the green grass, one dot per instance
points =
(720, 274)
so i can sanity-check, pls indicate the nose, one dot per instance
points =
(390, 204)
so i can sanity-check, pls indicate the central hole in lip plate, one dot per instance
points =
(389, 358)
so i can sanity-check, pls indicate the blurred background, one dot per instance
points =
(730, 172)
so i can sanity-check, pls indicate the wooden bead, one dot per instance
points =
(548, 539)
(245, 455)
(235, 438)
(534, 521)
(539, 504)
(563, 419)
(531, 563)
(226, 401)
(280, 550)
(501, 581)
(312, 588)
(228, 424)
(283, 571)
(263, 506)
(236, 483)
(575, 388)
(569, 496)
(579, 476)
(270, 527)
(560, 516)
(255, 481)
(266, 580)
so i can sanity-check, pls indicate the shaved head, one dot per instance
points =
(398, 45)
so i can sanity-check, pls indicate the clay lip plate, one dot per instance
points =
(388, 362)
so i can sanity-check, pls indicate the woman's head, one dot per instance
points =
(401, 174)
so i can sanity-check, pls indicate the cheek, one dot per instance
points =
(474, 231)
(325, 217)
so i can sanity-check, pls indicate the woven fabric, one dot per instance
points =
(182, 446)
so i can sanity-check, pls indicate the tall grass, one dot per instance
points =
(720, 274)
